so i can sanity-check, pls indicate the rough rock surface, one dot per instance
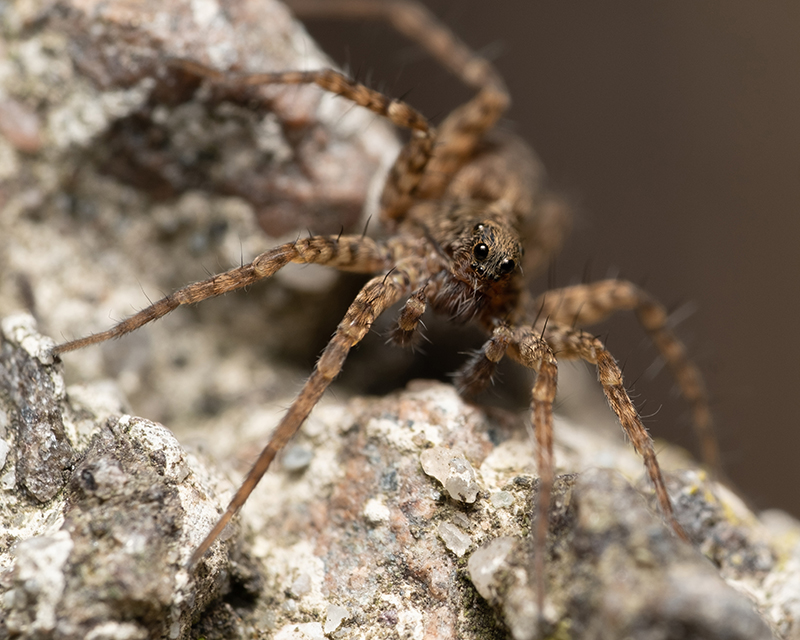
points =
(104, 555)
(357, 540)
(120, 179)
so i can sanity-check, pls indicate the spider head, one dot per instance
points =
(493, 252)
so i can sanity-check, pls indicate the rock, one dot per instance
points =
(118, 175)
(44, 452)
(614, 571)
(334, 617)
(313, 546)
(453, 470)
(105, 555)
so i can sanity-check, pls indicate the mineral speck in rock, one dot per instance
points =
(4, 449)
(301, 586)
(376, 512)
(501, 499)
(485, 562)
(454, 538)
(453, 470)
(334, 616)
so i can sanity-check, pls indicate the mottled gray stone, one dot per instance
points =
(105, 555)
(32, 395)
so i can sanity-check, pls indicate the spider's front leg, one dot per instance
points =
(535, 348)
(405, 333)
(374, 298)
(531, 350)
(347, 253)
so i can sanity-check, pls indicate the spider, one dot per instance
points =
(464, 226)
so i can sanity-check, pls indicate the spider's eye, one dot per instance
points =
(481, 251)
(507, 266)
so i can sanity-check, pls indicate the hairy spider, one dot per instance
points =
(465, 223)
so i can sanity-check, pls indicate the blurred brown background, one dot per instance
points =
(674, 128)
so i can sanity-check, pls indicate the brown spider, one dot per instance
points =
(463, 218)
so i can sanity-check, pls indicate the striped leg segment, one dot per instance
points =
(374, 298)
(347, 253)
(587, 304)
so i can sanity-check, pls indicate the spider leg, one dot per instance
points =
(587, 304)
(347, 253)
(405, 332)
(478, 371)
(374, 298)
(530, 349)
(462, 131)
(413, 159)
(570, 343)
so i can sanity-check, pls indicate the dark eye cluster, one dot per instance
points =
(481, 252)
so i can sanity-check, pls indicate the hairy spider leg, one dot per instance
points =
(463, 129)
(374, 298)
(411, 163)
(405, 332)
(434, 169)
(587, 304)
(536, 348)
(347, 253)
(571, 343)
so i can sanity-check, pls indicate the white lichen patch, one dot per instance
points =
(297, 571)
(22, 330)
(84, 115)
(39, 578)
